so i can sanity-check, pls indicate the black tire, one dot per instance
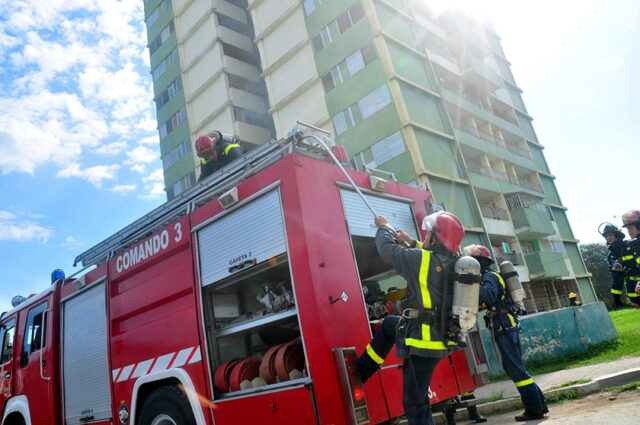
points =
(167, 406)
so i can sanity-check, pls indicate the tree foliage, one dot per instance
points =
(595, 258)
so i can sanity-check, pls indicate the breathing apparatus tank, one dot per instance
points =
(466, 293)
(514, 286)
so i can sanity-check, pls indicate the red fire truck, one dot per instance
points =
(238, 302)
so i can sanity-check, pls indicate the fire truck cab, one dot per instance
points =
(244, 300)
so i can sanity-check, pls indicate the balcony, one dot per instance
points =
(480, 74)
(531, 223)
(515, 258)
(477, 168)
(430, 26)
(518, 150)
(531, 185)
(495, 213)
(546, 265)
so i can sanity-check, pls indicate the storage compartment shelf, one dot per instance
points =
(252, 324)
(272, 387)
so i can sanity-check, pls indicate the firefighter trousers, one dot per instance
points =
(509, 345)
(631, 283)
(416, 372)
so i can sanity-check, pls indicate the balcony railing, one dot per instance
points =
(518, 150)
(489, 172)
(493, 212)
(531, 185)
(515, 258)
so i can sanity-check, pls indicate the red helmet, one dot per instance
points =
(205, 146)
(446, 227)
(631, 217)
(478, 251)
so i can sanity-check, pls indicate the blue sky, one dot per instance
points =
(79, 153)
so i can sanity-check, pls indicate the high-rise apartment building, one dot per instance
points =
(206, 76)
(426, 94)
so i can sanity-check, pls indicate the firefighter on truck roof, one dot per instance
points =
(215, 152)
(417, 332)
(503, 325)
(631, 254)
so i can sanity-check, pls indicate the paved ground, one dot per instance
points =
(596, 409)
(549, 380)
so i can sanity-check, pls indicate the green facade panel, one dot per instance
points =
(438, 154)
(586, 290)
(411, 66)
(476, 110)
(538, 158)
(531, 223)
(170, 108)
(397, 26)
(505, 71)
(494, 150)
(560, 218)
(516, 98)
(345, 45)
(355, 88)
(550, 190)
(150, 6)
(457, 199)
(158, 26)
(494, 42)
(474, 238)
(546, 265)
(425, 109)
(527, 127)
(178, 170)
(402, 167)
(161, 84)
(164, 50)
(174, 138)
(325, 13)
(370, 131)
(574, 256)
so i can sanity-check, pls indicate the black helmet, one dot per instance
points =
(610, 228)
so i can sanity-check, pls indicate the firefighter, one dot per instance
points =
(215, 152)
(417, 332)
(616, 245)
(573, 300)
(504, 328)
(631, 254)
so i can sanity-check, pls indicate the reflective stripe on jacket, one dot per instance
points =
(424, 272)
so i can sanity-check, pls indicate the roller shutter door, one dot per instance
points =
(253, 232)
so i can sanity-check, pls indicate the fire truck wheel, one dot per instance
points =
(167, 406)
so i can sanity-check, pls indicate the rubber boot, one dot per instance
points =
(474, 415)
(529, 416)
(450, 415)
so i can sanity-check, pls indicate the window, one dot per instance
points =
(153, 17)
(350, 18)
(7, 334)
(183, 184)
(259, 119)
(309, 7)
(355, 63)
(327, 81)
(340, 123)
(162, 67)
(177, 153)
(368, 53)
(173, 122)
(344, 22)
(374, 101)
(34, 333)
(558, 246)
(356, 12)
(159, 40)
(388, 148)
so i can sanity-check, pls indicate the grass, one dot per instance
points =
(571, 383)
(626, 322)
(494, 397)
(628, 387)
(562, 397)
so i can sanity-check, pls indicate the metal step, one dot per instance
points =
(227, 177)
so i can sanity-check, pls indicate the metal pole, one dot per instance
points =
(319, 140)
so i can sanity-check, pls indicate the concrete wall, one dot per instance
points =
(555, 334)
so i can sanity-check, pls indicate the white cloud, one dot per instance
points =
(72, 243)
(74, 85)
(153, 185)
(95, 175)
(124, 188)
(21, 229)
